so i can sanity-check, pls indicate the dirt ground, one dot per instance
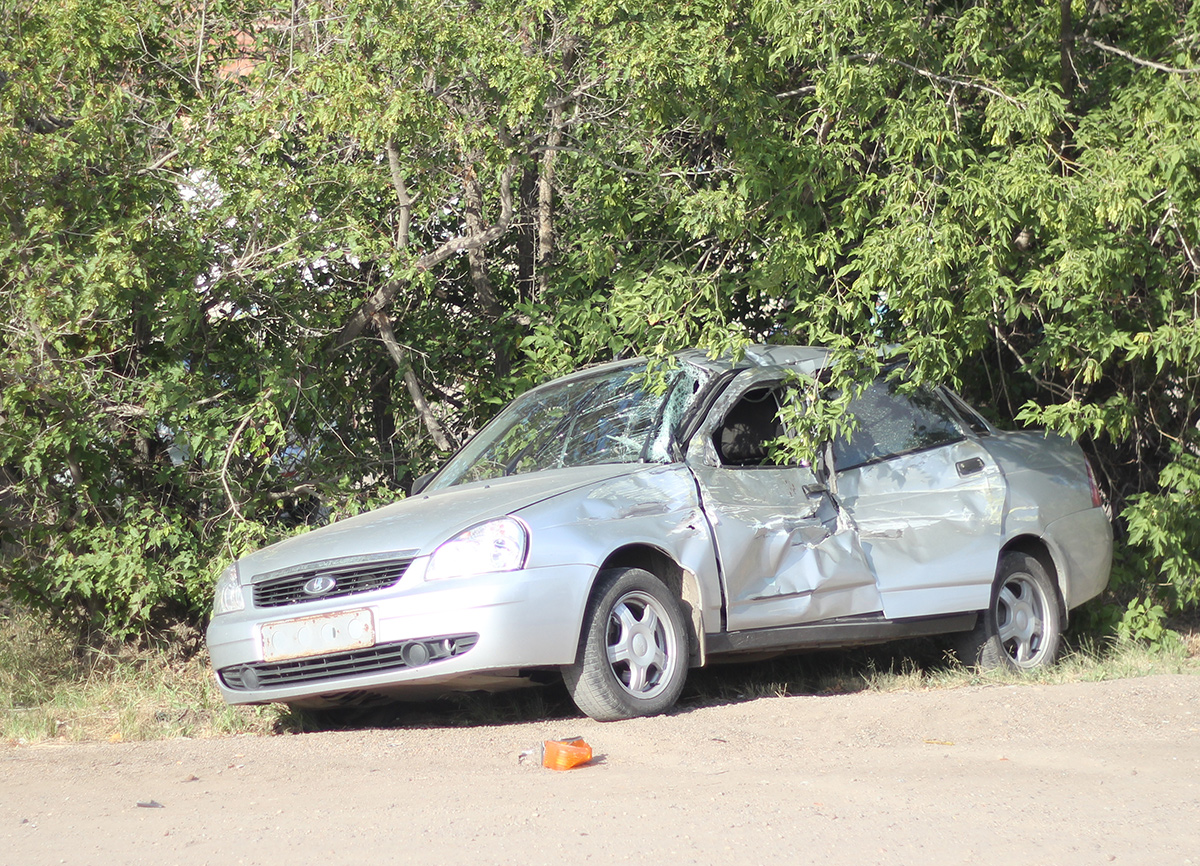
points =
(1079, 773)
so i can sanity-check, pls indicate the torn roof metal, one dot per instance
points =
(804, 359)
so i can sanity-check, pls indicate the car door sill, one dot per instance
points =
(845, 631)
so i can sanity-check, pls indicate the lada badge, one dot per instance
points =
(320, 585)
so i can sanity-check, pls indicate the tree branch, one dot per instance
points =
(1049, 386)
(406, 201)
(384, 324)
(237, 434)
(943, 79)
(1150, 64)
(386, 293)
(160, 162)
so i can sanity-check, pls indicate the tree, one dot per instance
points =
(94, 259)
(266, 262)
(1015, 192)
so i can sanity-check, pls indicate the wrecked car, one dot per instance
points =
(617, 534)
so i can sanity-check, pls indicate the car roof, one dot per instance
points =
(808, 360)
(804, 359)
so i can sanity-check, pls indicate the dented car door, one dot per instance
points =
(927, 499)
(786, 554)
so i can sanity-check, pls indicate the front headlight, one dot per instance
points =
(498, 545)
(227, 597)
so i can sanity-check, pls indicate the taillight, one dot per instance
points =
(1096, 500)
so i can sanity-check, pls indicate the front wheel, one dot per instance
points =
(1022, 628)
(633, 648)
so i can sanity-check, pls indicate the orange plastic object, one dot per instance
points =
(565, 754)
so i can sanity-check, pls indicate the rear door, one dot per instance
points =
(786, 554)
(927, 499)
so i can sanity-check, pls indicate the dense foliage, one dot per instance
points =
(264, 262)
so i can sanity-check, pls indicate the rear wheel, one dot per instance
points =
(633, 649)
(1022, 629)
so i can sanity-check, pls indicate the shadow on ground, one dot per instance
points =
(811, 673)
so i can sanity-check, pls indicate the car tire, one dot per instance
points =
(633, 648)
(1022, 628)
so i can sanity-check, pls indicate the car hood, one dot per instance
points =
(416, 525)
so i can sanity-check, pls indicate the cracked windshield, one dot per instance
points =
(618, 416)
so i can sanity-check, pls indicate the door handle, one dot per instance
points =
(969, 467)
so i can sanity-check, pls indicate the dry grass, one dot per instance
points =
(49, 691)
(923, 664)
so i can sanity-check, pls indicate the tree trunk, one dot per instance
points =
(476, 259)
(545, 221)
(384, 324)
(545, 186)
(1068, 83)
(527, 235)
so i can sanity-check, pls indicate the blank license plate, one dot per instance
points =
(318, 634)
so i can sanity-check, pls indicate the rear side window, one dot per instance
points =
(890, 424)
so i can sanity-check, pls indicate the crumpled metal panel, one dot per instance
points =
(931, 534)
(787, 555)
(786, 558)
(655, 507)
(800, 578)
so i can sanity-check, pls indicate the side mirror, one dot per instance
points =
(421, 483)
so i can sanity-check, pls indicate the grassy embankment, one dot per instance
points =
(51, 692)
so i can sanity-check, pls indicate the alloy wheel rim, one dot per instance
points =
(640, 644)
(1021, 612)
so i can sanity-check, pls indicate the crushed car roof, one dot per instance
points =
(806, 359)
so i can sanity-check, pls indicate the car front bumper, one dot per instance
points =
(429, 636)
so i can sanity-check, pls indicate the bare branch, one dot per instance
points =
(200, 47)
(567, 98)
(625, 169)
(1016, 353)
(1149, 64)
(309, 489)
(943, 79)
(237, 434)
(160, 162)
(125, 410)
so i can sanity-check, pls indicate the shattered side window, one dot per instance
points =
(612, 417)
(688, 383)
(891, 423)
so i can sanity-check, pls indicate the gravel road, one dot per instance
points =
(1079, 773)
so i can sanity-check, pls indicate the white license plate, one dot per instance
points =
(318, 634)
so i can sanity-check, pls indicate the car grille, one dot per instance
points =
(348, 580)
(382, 657)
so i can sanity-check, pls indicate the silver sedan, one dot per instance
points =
(616, 530)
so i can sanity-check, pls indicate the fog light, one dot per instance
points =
(415, 655)
(249, 677)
